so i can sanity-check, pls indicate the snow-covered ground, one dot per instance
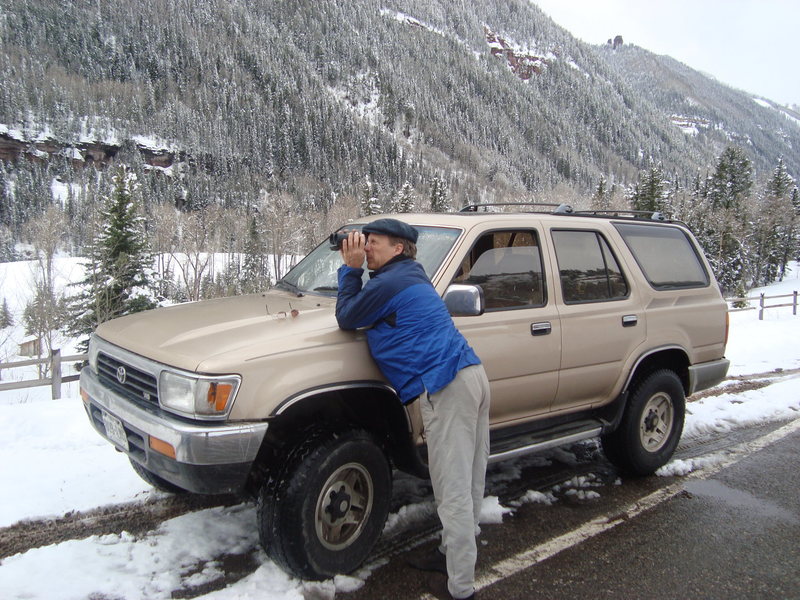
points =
(55, 463)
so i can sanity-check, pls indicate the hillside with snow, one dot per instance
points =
(315, 99)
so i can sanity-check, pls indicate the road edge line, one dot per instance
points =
(590, 529)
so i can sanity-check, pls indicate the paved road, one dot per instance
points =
(729, 531)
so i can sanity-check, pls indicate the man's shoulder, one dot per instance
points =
(402, 274)
(406, 266)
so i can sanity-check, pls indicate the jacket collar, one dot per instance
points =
(393, 261)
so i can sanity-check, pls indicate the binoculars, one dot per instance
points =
(336, 238)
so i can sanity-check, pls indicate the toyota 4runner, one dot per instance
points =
(588, 325)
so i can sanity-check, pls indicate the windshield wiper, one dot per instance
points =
(327, 288)
(290, 286)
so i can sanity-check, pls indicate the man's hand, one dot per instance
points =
(353, 249)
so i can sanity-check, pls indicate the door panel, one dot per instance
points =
(518, 338)
(602, 322)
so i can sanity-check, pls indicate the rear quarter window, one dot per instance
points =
(666, 255)
(588, 270)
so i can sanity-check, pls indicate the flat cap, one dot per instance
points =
(392, 227)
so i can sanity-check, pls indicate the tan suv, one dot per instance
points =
(588, 326)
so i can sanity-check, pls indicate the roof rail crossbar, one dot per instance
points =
(653, 215)
(555, 207)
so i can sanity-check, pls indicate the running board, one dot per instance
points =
(570, 438)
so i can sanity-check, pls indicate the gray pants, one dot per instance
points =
(456, 421)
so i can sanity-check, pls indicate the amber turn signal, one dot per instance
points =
(218, 395)
(162, 447)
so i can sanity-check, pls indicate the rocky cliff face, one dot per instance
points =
(14, 146)
(523, 63)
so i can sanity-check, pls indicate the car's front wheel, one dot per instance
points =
(651, 425)
(322, 512)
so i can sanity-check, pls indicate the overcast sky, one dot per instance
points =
(752, 45)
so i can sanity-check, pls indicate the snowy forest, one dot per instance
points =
(149, 137)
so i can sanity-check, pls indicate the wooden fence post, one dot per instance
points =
(794, 302)
(55, 371)
(761, 308)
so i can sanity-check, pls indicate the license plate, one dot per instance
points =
(115, 431)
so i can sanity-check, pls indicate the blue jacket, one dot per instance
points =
(411, 335)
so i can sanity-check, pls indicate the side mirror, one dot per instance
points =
(464, 300)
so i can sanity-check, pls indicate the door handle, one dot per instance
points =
(542, 328)
(630, 320)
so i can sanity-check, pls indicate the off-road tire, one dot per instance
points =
(651, 426)
(157, 482)
(322, 512)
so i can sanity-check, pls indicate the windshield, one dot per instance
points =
(316, 273)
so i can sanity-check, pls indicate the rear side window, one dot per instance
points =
(666, 255)
(588, 269)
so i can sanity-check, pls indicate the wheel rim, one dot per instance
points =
(656, 424)
(344, 506)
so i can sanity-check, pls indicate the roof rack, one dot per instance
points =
(566, 209)
(653, 215)
(560, 209)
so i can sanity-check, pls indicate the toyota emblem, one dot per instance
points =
(122, 375)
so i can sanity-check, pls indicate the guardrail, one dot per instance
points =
(55, 360)
(762, 306)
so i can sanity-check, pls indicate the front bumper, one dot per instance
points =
(210, 458)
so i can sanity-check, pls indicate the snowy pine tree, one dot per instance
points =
(6, 319)
(601, 199)
(651, 192)
(403, 201)
(255, 273)
(117, 280)
(725, 218)
(440, 201)
(781, 200)
(370, 205)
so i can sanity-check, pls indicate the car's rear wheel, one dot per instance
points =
(651, 425)
(322, 512)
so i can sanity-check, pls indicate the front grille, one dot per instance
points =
(137, 385)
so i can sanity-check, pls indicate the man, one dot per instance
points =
(413, 340)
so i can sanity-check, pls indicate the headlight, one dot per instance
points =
(93, 352)
(200, 397)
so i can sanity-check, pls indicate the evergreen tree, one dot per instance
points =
(117, 280)
(403, 201)
(7, 253)
(781, 183)
(370, 205)
(725, 218)
(772, 227)
(732, 181)
(651, 192)
(790, 243)
(6, 319)
(440, 201)
(601, 199)
(255, 270)
(5, 200)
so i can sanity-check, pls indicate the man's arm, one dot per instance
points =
(355, 307)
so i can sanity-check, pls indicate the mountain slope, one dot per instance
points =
(315, 97)
(712, 112)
